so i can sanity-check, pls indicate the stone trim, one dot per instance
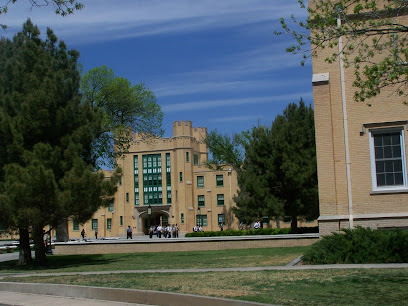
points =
(363, 216)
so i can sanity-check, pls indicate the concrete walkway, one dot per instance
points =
(28, 299)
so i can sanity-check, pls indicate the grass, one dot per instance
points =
(170, 260)
(310, 287)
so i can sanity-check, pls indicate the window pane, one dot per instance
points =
(379, 153)
(395, 139)
(377, 140)
(399, 178)
(397, 166)
(388, 152)
(380, 166)
(389, 166)
(396, 151)
(386, 139)
(389, 179)
(380, 179)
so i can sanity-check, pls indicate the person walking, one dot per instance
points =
(129, 232)
(96, 234)
(83, 234)
(159, 230)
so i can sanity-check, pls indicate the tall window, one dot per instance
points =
(75, 225)
(388, 167)
(94, 224)
(221, 219)
(120, 181)
(181, 177)
(136, 180)
(182, 218)
(127, 196)
(200, 181)
(109, 223)
(201, 220)
(220, 199)
(111, 207)
(152, 179)
(201, 200)
(187, 157)
(168, 178)
(220, 180)
(121, 220)
(195, 159)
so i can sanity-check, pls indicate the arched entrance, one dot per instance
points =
(161, 214)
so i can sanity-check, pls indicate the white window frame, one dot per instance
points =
(404, 186)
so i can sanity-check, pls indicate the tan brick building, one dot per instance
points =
(361, 152)
(169, 175)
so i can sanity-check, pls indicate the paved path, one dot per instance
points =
(17, 298)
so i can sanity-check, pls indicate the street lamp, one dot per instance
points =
(149, 213)
(199, 215)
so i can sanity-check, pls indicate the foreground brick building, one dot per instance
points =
(169, 175)
(361, 152)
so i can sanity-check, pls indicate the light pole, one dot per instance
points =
(149, 213)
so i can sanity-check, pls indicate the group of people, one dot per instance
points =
(167, 231)
(197, 228)
(257, 224)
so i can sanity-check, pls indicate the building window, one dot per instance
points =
(201, 200)
(111, 207)
(221, 219)
(109, 223)
(200, 181)
(195, 159)
(120, 181)
(75, 225)
(181, 177)
(121, 220)
(182, 218)
(220, 180)
(127, 196)
(187, 157)
(201, 220)
(94, 224)
(220, 199)
(388, 167)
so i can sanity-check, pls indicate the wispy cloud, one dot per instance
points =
(208, 104)
(234, 119)
(108, 19)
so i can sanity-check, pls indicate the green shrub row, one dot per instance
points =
(360, 245)
(262, 231)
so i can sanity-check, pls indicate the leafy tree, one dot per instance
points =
(47, 135)
(375, 43)
(127, 108)
(277, 174)
(62, 7)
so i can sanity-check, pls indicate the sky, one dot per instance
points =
(216, 63)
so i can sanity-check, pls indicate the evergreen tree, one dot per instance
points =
(47, 139)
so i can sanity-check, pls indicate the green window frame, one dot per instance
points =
(109, 223)
(220, 180)
(187, 157)
(221, 219)
(201, 200)
(111, 207)
(121, 220)
(201, 220)
(200, 181)
(182, 218)
(94, 224)
(220, 199)
(195, 159)
(75, 225)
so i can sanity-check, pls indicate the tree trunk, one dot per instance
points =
(294, 224)
(277, 222)
(39, 247)
(24, 257)
(62, 231)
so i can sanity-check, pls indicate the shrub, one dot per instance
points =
(360, 245)
(262, 231)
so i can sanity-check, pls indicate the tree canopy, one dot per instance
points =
(47, 139)
(276, 166)
(62, 7)
(127, 108)
(375, 43)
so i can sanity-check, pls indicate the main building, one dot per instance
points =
(170, 175)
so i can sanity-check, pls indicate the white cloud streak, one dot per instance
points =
(201, 105)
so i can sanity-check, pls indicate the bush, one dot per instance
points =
(262, 231)
(360, 245)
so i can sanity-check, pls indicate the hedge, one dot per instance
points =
(262, 231)
(358, 246)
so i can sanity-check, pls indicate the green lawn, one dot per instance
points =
(170, 260)
(311, 287)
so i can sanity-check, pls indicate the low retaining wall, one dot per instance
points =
(185, 244)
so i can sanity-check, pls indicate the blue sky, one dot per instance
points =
(216, 63)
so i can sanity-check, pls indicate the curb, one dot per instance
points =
(147, 297)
